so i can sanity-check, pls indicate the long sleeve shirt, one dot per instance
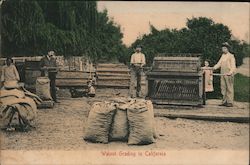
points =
(9, 73)
(48, 62)
(226, 63)
(138, 58)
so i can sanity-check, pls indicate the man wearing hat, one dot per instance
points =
(48, 65)
(137, 62)
(228, 67)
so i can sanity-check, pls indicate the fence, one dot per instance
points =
(72, 63)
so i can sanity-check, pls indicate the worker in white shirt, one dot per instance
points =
(10, 75)
(228, 67)
(136, 70)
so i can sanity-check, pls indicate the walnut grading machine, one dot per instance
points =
(176, 80)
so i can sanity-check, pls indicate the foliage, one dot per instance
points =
(68, 27)
(241, 88)
(18, 30)
(202, 35)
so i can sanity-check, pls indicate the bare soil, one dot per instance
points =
(63, 126)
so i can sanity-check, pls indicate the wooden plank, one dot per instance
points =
(112, 65)
(113, 69)
(73, 78)
(112, 86)
(71, 82)
(206, 117)
(73, 74)
(113, 78)
(174, 73)
(110, 74)
(177, 102)
(113, 82)
(174, 58)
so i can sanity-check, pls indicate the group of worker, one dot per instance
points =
(138, 61)
(226, 63)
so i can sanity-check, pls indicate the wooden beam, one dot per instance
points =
(71, 82)
(73, 74)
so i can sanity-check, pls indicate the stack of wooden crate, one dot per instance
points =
(65, 79)
(112, 75)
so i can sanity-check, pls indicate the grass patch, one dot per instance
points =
(241, 88)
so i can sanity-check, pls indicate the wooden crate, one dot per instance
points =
(112, 75)
(65, 79)
(176, 64)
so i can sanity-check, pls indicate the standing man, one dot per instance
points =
(48, 65)
(10, 75)
(228, 67)
(137, 62)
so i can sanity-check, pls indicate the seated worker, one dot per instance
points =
(91, 89)
(94, 79)
(10, 75)
(90, 92)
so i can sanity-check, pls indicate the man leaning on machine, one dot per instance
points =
(228, 67)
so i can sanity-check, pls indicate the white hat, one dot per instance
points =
(226, 44)
(138, 48)
(51, 52)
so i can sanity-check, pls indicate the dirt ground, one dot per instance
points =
(62, 128)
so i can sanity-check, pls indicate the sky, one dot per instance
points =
(134, 16)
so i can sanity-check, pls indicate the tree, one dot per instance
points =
(20, 19)
(68, 27)
(201, 35)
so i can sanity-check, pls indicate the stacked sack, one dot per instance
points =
(121, 119)
(43, 88)
(20, 103)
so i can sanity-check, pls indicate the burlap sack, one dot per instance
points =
(119, 128)
(151, 110)
(11, 84)
(141, 123)
(99, 122)
(43, 88)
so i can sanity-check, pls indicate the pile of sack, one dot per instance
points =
(18, 108)
(43, 91)
(43, 88)
(130, 120)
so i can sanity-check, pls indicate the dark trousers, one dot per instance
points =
(52, 77)
(135, 81)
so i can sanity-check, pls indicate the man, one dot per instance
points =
(48, 65)
(10, 75)
(137, 62)
(228, 67)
